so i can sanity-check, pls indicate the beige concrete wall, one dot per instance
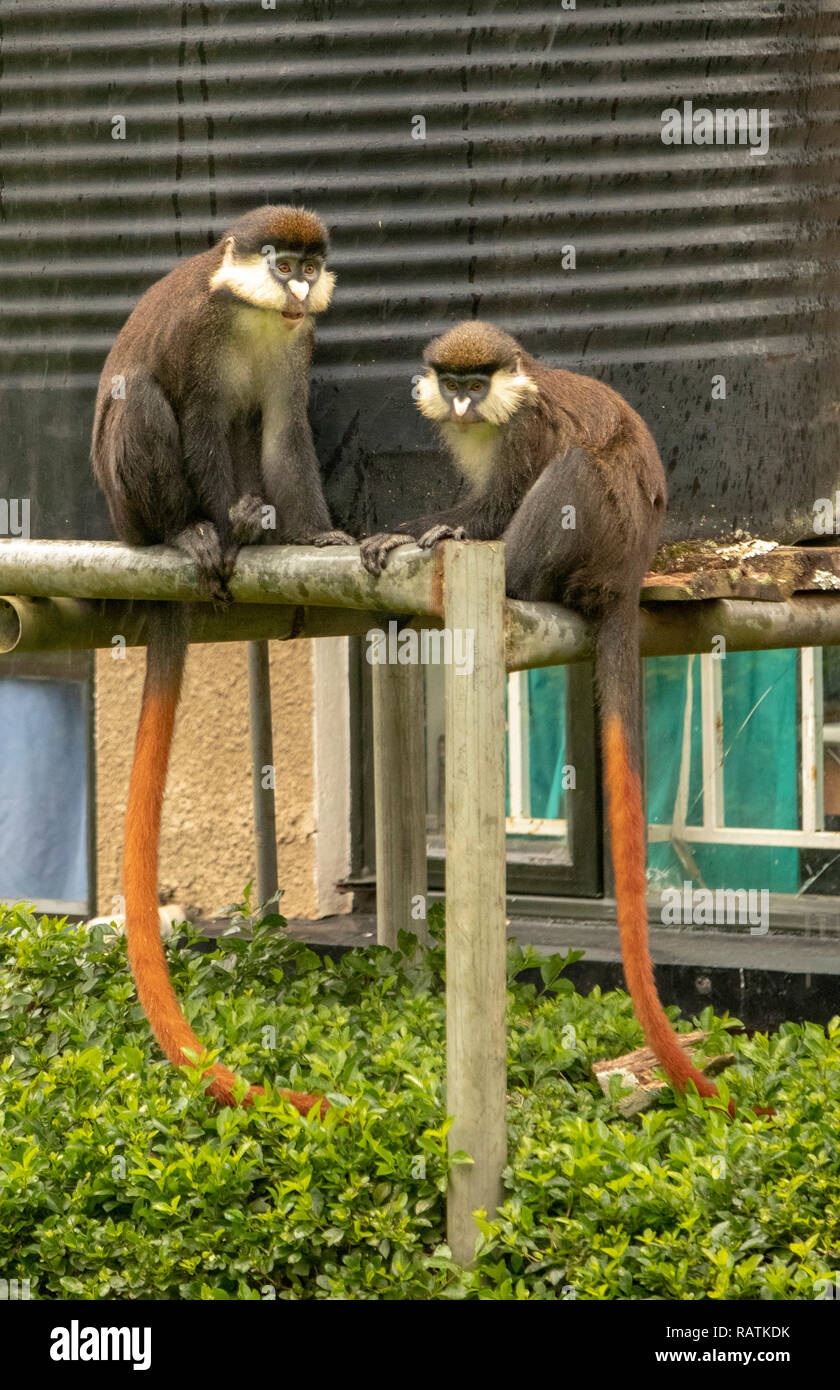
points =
(207, 844)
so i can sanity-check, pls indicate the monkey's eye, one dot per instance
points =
(450, 384)
(285, 268)
(475, 388)
(310, 268)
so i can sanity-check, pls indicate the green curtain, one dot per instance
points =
(760, 763)
(546, 742)
(760, 766)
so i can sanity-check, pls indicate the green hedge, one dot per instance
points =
(118, 1180)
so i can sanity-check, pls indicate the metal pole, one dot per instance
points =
(299, 574)
(542, 634)
(262, 765)
(79, 624)
(399, 776)
(474, 585)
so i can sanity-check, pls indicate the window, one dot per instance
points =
(553, 793)
(743, 769)
(46, 846)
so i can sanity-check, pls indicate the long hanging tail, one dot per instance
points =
(165, 661)
(617, 677)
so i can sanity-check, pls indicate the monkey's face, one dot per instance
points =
(292, 283)
(299, 276)
(462, 394)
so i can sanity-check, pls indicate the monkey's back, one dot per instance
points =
(592, 451)
(162, 330)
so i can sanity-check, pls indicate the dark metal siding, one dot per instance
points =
(542, 128)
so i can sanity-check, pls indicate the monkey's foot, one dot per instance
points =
(435, 534)
(332, 538)
(200, 540)
(246, 517)
(374, 549)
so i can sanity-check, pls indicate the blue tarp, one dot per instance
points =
(43, 790)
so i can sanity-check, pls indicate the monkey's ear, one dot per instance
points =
(230, 251)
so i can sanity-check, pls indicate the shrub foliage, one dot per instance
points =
(119, 1181)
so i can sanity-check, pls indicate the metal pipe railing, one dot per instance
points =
(80, 594)
(302, 574)
(87, 593)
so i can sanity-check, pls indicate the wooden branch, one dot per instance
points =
(640, 1069)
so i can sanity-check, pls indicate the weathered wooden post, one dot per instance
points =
(474, 584)
(262, 756)
(399, 775)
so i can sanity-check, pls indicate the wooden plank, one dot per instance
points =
(399, 775)
(639, 1070)
(748, 569)
(475, 888)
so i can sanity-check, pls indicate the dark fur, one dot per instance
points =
(173, 467)
(578, 443)
(574, 442)
(182, 461)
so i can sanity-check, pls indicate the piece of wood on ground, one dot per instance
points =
(639, 1070)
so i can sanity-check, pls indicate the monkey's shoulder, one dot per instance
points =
(167, 322)
(600, 412)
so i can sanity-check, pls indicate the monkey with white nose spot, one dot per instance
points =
(538, 446)
(201, 440)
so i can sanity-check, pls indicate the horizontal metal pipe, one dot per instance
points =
(539, 634)
(305, 591)
(69, 624)
(300, 574)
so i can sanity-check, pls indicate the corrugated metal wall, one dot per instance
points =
(542, 129)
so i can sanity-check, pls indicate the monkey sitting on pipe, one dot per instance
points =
(201, 440)
(538, 445)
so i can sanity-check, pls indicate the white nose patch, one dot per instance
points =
(299, 289)
(461, 405)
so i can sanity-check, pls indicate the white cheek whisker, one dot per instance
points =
(508, 391)
(249, 279)
(429, 400)
(321, 292)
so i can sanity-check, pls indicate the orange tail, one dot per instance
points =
(627, 832)
(161, 692)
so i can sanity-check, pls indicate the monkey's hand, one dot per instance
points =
(246, 518)
(200, 540)
(374, 549)
(441, 533)
(332, 538)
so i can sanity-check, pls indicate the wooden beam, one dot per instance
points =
(750, 569)
(399, 776)
(262, 757)
(474, 579)
(78, 624)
